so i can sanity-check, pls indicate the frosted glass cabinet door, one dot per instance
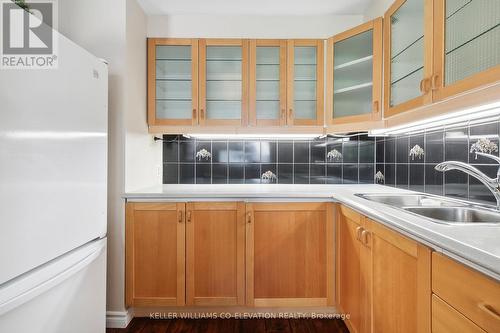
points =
(172, 82)
(223, 82)
(408, 64)
(305, 82)
(468, 54)
(354, 74)
(267, 83)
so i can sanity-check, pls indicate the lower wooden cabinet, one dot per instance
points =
(474, 297)
(352, 260)
(155, 254)
(383, 278)
(290, 258)
(215, 242)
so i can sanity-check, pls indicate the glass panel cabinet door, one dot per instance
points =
(467, 45)
(267, 102)
(408, 66)
(172, 82)
(354, 74)
(305, 82)
(223, 82)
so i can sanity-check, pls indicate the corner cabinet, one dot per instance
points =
(408, 40)
(354, 75)
(383, 278)
(305, 82)
(172, 82)
(223, 82)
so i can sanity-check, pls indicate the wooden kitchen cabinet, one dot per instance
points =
(215, 242)
(289, 254)
(400, 281)
(354, 75)
(408, 55)
(155, 254)
(305, 82)
(474, 297)
(353, 263)
(466, 46)
(383, 278)
(172, 82)
(223, 80)
(267, 95)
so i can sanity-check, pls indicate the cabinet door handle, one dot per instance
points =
(422, 86)
(376, 108)
(189, 216)
(489, 310)
(202, 114)
(249, 217)
(283, 114)
(194, 114)
(359, 230)
(290, 113)
(179, 216)
(434, 83)
(365, 238)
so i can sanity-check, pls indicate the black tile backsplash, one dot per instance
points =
(356, 160)
(292, 162)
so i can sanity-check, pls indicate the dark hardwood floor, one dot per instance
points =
(145, 325)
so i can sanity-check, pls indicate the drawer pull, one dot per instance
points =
(489, 310)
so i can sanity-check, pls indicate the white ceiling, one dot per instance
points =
(254, 7)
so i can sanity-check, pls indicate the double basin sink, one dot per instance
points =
(438, 209)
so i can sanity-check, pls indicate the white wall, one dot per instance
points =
(115, 30)
(238, 26)
(143, 157)
(377, 8)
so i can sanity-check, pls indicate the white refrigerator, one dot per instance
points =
(53, 195)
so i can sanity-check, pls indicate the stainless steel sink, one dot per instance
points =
(457, 214)
(410, 200)
(438, 209)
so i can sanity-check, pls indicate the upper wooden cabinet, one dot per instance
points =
(268, 63)
(354, 74)
(466, 45)
(408, 33)
(305, 87)
(223, 82)
(172, 82)
(434, 50)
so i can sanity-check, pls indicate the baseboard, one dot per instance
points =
(118, 319)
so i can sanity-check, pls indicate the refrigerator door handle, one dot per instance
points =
(26, 287)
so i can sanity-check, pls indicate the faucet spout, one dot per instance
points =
(493, 184)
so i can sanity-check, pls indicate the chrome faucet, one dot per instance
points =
(493, 184)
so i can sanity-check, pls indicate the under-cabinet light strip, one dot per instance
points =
(483, 111)
(243, 136)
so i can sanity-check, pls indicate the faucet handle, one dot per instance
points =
(493, 157)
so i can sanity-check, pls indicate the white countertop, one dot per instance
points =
(477, 246)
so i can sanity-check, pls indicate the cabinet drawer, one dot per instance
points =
(474, 295)
(446, 319)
